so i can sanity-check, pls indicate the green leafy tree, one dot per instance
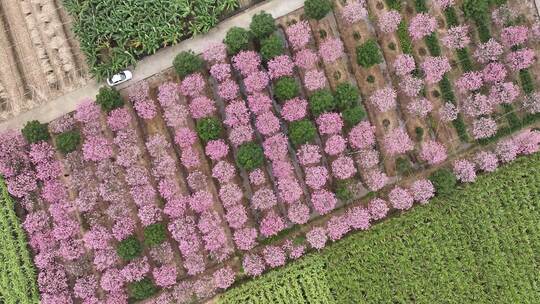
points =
(346, 95)
(143, 289)
(109, 99)
(321, 101)
(444, 181)
(262, 25)
(271, 47)
(352, 116)
(237, 39)
(34, 132)
(129, 248)
(187, 63)
(302, 131)
(317, 9)
(68, 141)
(209, 128)
(250, 156)
(155, 234)
(368, 54)
(286, 88)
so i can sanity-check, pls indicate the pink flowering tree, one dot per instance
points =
(457, 37)
(422, 25)
(435, 68)
(299, 34)
(317, 238)
(433, 152)
(514, 35)
(378, 208)
(389, 21)
(484, 127)
(331, 50)
(486, 161)
(354, 11)
(384, 99)
(422, 190)
(404, 64)
(521, 59)
(400, 198)
(489, 51)
(470, 81)
(398, 142)
(420, 107)
(464, 170)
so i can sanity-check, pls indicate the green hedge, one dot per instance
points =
(465, 60)
(433, 45)
(250, 156)
(527, 83)
(68, 141)
(478, 245)
(34, 132)
(404, 38)
(451, 17)
(368, 54)
(186, 63)
(109, 99)
(129, 248)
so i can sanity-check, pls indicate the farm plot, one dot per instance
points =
(428, 254)
(40, 58)
(287, 135)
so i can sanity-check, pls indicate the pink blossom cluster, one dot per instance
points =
(354, 11)
(494, 72)
(398, 141)
(448, 112)
(470, 81)
(477, 105)
(435, 68)
(306, 59)
(216, 53)
(444, 4)
(504, 92)
(484, 127)
(411, 85)
(174, 113)
(389, 21)
(299, 34)
(384, 99)
(433, 152)
(521, 59)
(280, 66)
(464, 170)
(404, 64)
(315, 80)
(422, 25)
(489, 51)
(331, 50)
(486, 161)
(401, 198)
(422, 190)
(457, 37)
(514, 35)
(420, 107)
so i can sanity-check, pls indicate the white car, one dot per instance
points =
(119, 78)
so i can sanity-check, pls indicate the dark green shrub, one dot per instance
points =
(34, 131)
(186, 63)
(68, 141)
(209, 128)
(346, 95)
(394, 4)
(317, 9)
(433, 46)
(155, 234)
(262, 25)
(527, 83)
(461, 128)
(368, 54)
(343, 191)
(302, 131)
(446, 89)
(451, 17)
(444, 181)
(477, 10)
(510, 113)
(271, 47)
(483, 31)
(237, 39)
(321, 101)
(353, 116)
(250, 156)
(286, 88)
(465, 60)
(420, 6)
(109, 99)
(141, 290)
(403, 166)
(404, 38)
(419, 132)
(130, 248)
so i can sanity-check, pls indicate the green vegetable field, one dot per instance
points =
(17, 273)
(481, 245)
(114, 34)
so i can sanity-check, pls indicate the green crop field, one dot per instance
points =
(482, 245)
(17, 273)
(114, 34)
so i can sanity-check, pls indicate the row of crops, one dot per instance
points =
(113, 35)
(480, 245)
(17, 273)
